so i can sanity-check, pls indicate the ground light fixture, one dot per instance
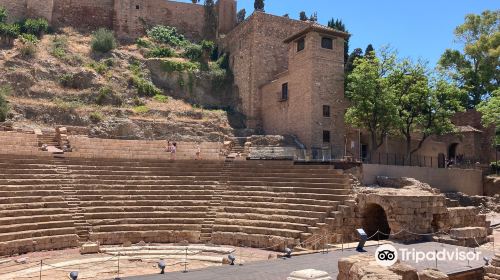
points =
(231, 258)
(288, 253)
(161, 266)
(362, 239)
(73, 275)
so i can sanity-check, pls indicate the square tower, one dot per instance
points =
(308, 100)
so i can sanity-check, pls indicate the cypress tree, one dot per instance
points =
(259, 5)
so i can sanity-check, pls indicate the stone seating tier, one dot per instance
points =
(45, 201)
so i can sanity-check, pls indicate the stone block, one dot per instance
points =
(432, 274)
(89, 248)
(309, 274)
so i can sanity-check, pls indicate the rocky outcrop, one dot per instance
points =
(361, 267)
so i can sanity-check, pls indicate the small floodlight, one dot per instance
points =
(288, 252)
(486, 261)
(362, 239)
(73, 275)
(161, 266)
(231, 258)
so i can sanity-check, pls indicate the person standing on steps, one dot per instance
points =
(198, 152)
(173, 151)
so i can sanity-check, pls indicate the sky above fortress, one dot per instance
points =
(416, 28)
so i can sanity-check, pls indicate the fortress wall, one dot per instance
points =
(132, 18)
(89, 14)
(16, 9)
(257, 55)
(40, 9)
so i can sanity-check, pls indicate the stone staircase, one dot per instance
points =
(70, 196)
(216, 202)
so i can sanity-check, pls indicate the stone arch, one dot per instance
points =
(375, 219)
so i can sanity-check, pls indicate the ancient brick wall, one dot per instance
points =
(258, 53)
(133, 17)
(40, 9)
(17, 9)
(88, 14)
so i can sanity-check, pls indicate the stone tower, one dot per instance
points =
(310, 103)
(226, 10)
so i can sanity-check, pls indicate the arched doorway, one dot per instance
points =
(375, 219)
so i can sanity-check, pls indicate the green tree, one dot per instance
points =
(424, 105)
(303, 16)
(4, 105)
(337, 24)
(314, 17)
(372, 97)
(241, 15)
(490, 110)
(3, 14)
(475, 68)
(349, 66)
(259, 5)
(210, 19)
(369, 50)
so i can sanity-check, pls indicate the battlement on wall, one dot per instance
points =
(129, 19)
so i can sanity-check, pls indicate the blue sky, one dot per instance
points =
(416, 28)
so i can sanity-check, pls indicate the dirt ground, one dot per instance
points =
(58, 264)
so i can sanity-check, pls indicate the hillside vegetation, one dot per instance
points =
(161, 86)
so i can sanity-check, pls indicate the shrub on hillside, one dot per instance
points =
(167, 35)
(29, 45)
(179, 66)
(103, 41)
(96, 117)
(193, 52)
(59, 46)
(8, 33)
(161, 52)
(144, 87)
(36, 27)
(3, 14)
(4, 105)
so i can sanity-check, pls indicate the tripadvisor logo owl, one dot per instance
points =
(386, 255)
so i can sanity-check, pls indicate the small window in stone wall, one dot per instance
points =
(326, 136)
(284, 92)
(301, 44)
(327, 43)
(137, 7)
(326, 111)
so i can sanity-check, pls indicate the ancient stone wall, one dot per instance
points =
(40, 9)
(226, 11)
(88, 14)
(257, 55)
(17, 9)
(132, 18)
(127, 17)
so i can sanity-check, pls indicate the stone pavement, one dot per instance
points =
(279, 269)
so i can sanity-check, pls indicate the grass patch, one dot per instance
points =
(180, 66)
(143, 109)
(161, 98)
(96, 117)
